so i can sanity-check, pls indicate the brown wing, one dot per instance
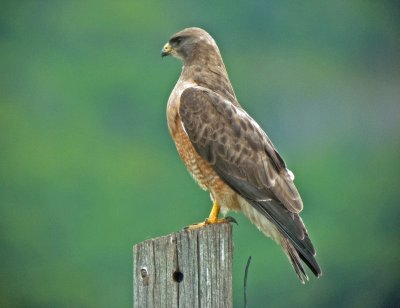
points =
(237, 148)
(244, 157)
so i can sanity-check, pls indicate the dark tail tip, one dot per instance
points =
(296, 256)
(312, 264)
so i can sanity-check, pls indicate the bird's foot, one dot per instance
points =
(213, 218)
(225, 220)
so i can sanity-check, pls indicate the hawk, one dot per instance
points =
(228, 153)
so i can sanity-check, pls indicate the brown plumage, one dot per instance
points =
(228, 153)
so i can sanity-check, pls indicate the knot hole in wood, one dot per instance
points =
(177, 276)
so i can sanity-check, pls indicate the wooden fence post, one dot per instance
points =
(189, 268)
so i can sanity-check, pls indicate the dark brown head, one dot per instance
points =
(191, 44)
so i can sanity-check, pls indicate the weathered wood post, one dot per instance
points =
(189, 268)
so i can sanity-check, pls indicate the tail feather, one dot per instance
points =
(293, 235)
(294, 259)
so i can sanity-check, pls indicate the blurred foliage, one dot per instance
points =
(88, 169)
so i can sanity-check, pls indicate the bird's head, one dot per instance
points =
(188, 44)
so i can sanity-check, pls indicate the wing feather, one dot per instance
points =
(245, 158)
(237, 148)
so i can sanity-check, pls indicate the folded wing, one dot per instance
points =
(244, 157)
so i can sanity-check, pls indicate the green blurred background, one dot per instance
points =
(88, 169)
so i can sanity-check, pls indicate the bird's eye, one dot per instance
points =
(176, 40)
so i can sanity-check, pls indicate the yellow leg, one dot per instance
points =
(213, 217)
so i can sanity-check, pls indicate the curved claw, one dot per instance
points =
(230, 219)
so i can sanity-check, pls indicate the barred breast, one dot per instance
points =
(201, 171)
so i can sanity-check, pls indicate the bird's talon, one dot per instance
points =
(207, 222)
(230, 219)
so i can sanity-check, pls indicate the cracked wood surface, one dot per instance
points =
(189, 268)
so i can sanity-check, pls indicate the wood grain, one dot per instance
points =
(189, 268)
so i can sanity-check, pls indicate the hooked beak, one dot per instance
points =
(166, 51)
